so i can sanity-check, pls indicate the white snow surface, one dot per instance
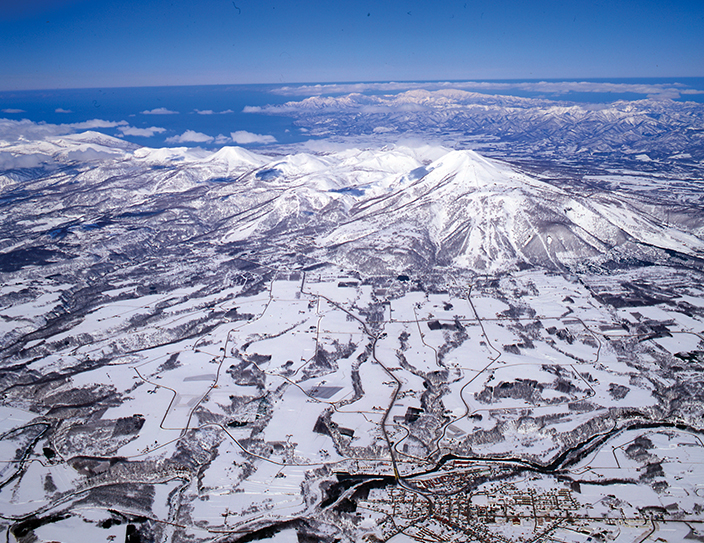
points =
(387, 207)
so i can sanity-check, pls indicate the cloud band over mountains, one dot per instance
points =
(650, 90)
(11, 130)
(241, 137)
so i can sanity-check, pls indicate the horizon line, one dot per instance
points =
(358, 82)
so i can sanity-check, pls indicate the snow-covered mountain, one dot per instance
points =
(390, 209)
(471, 212)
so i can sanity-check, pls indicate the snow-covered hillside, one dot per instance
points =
(388, 209)
(209, 345)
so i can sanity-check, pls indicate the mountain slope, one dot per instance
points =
(481, 214)
(377, 210)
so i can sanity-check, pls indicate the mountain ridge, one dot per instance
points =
(392, 208)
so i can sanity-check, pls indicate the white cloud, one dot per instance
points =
(62, 110)
(334, 88)
(211, 112)
(667, 94)
(96, 123)
(222, 140)
(190, 136)
(85, 155)
(243, 137)
(13, 110)
(14, 130)
(9, 161)
(144, 132)
(158, 111)
(659, 91)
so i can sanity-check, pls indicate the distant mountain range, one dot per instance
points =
(661, 129)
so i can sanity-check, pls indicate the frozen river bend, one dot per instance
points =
(395, 343)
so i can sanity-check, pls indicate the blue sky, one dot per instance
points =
(87, 43)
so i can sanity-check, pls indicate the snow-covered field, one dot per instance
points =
(201, 345)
